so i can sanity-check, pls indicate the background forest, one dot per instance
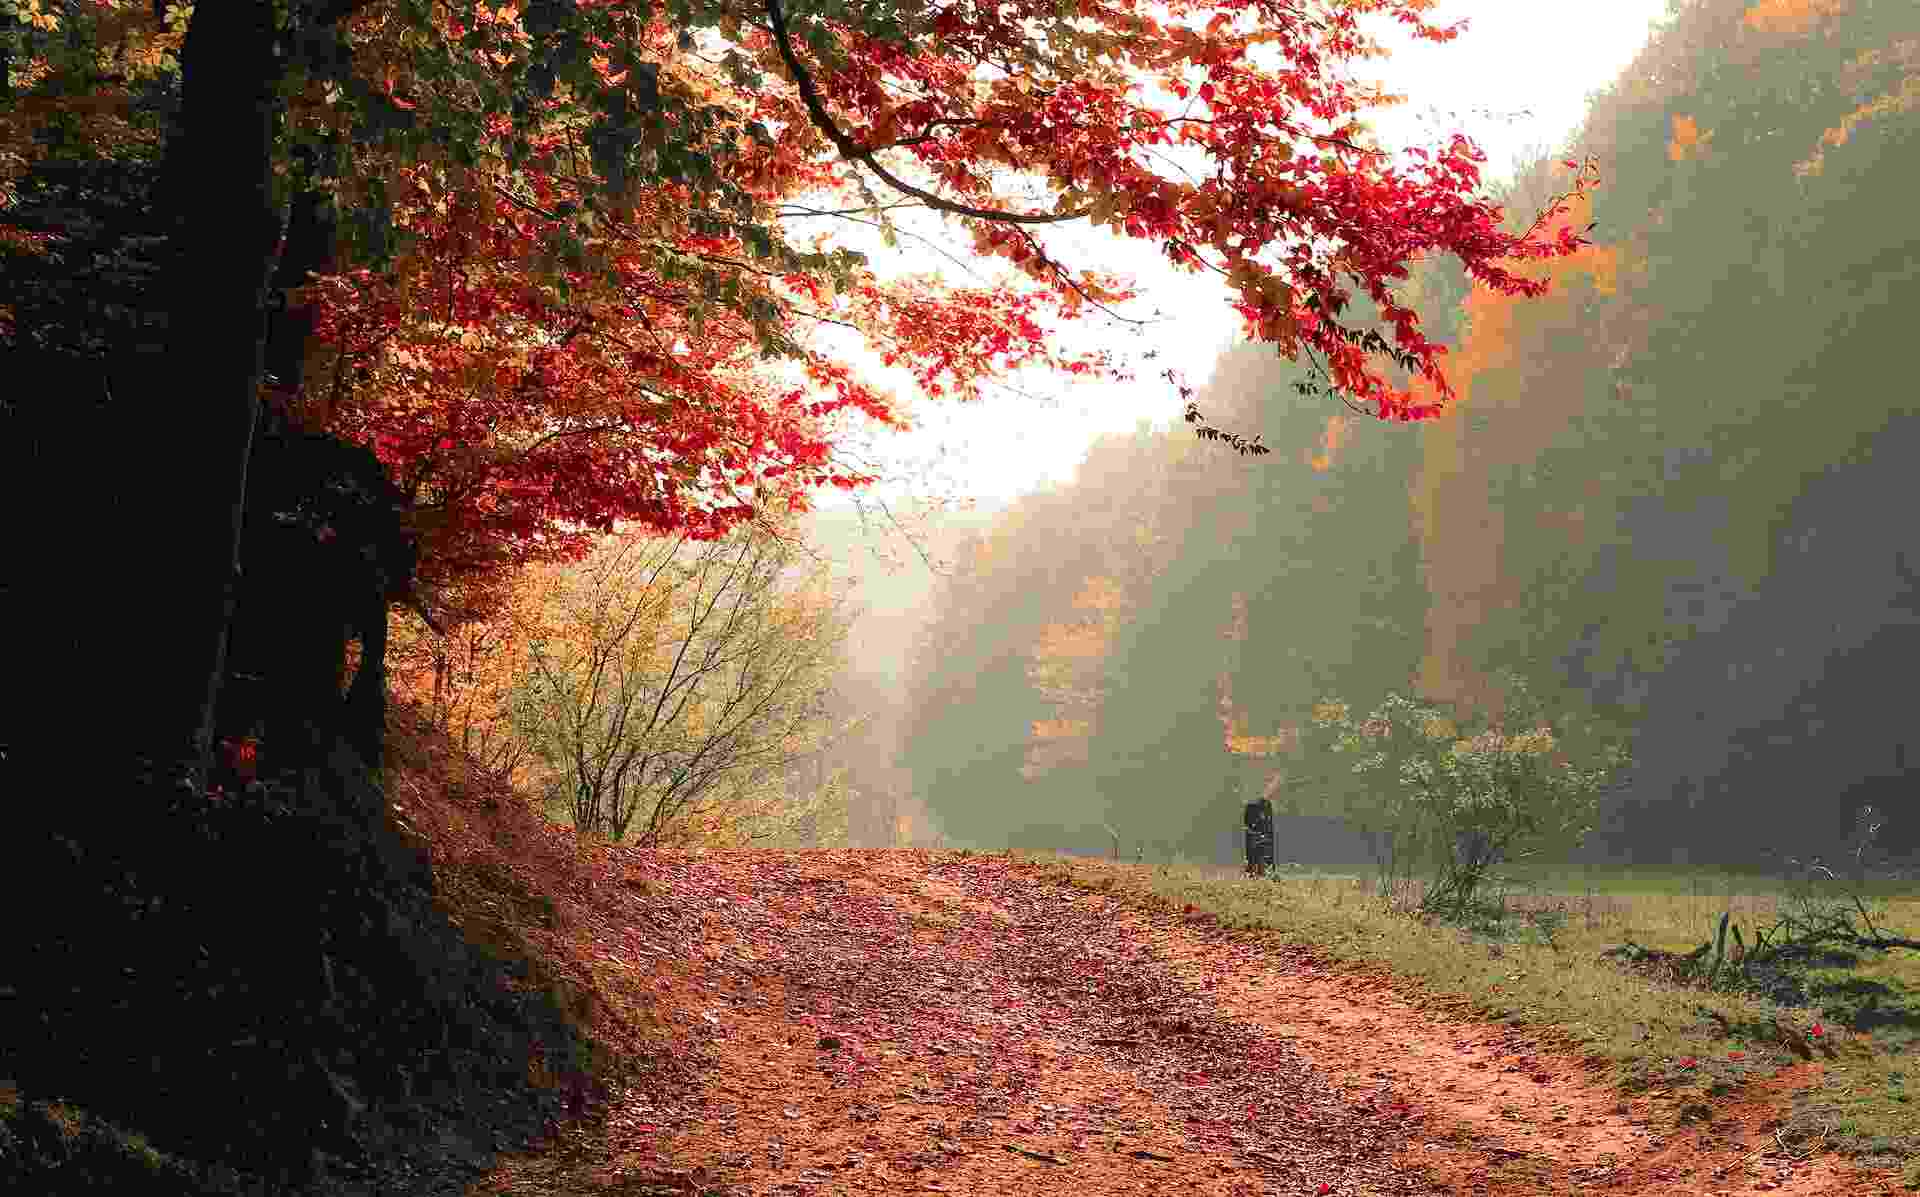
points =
(1675, 497)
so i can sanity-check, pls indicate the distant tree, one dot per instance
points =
(1456, 797)
(673, 680)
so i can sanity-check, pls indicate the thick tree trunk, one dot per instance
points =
(312, 234)
(188, 418)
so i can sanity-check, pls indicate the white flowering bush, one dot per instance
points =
(1466, 801)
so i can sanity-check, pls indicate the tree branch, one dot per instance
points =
(852, 152)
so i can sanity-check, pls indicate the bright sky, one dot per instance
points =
(1518, 78)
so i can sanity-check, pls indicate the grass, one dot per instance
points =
(1541, 966)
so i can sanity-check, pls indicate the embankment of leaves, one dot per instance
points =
(256, 993)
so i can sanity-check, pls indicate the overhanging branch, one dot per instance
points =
(852, 152)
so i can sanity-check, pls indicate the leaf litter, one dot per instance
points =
(888, 1022)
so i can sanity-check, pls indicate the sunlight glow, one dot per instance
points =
(1514, 82)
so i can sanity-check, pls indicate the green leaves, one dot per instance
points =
(1470, 792)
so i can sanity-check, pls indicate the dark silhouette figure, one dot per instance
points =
(1259, 817)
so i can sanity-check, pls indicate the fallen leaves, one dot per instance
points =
(1036, 1040)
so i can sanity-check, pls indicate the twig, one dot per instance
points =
(1151, 1155)
(1809, 1152)
(1034, 1155)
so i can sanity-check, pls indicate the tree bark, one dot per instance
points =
(188, 418)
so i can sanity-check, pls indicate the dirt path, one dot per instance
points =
(868, 1022)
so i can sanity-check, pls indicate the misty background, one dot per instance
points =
(1678, 496)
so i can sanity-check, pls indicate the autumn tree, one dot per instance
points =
(462, 675)
(675, 681)
(623, 151)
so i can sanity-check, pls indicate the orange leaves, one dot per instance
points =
(1233, 720)
(1056, 729)
(1101, 594)
(1066, 668)
(1791, 18)
(1687, 141)
(1339, 428)
(1901, 60)
(1084, 641)
(1260, 746)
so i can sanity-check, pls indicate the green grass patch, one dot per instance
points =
(1535, 960)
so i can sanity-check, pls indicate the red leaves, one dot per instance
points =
(551, 358)
(241, 756)
(1084, 130)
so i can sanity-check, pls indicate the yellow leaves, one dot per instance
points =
(1439, 728)
(1330, 712)
(1259, 746)
(1688, 141)
(1538, 742)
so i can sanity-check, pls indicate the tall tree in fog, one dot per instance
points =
(1642, 492)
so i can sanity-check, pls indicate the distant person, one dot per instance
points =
(1259, 836)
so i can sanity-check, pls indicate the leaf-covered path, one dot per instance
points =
(887, 1022)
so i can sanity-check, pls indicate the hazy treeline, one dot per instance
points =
(1676, 496)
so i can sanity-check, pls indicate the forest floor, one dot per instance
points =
(885, 1022)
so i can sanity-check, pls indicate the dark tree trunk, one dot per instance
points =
(312, 232)
(188, 417)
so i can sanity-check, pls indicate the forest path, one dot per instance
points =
(892, 1022)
